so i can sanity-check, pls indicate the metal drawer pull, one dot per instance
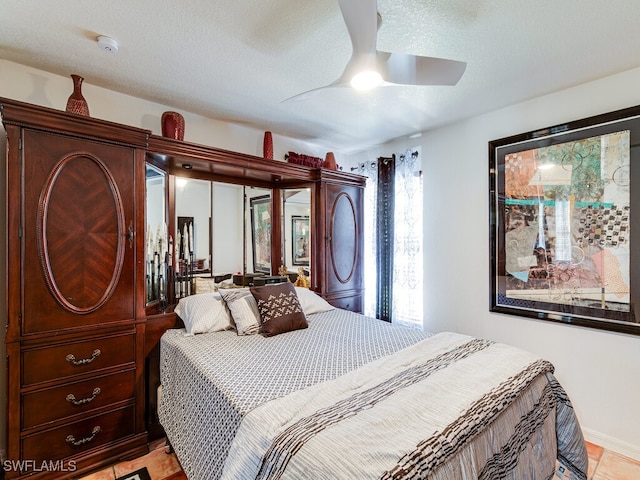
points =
(71, 398)
(71, 358)
(76, 443)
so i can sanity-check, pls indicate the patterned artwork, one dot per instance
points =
(566, 223)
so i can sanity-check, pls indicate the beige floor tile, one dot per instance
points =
(593, 465)
(613, 466)
(158, 463)
(106, 474)
(594, 451)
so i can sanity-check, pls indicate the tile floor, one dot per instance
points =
(160, 464)
(603, 465)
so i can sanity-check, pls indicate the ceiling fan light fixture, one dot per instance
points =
(366, 80)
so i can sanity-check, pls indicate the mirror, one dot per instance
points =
(257, 231)
(193, 200)
(227, 231)
(296, 229)
(156, 236)
(221, 230)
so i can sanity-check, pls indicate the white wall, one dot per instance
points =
(193, 199)
(30, 85)
(228, 220)
(600, 370)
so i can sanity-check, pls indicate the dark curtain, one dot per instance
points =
(384, 240)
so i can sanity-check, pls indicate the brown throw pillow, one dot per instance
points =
(279, 308)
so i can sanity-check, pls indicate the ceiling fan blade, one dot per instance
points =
(314, 91)
(403, 69)
(361, 19)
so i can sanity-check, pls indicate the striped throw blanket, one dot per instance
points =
(449, 407)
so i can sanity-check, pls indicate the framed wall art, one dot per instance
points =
(261, 233)
(564, 222)
(300, 240)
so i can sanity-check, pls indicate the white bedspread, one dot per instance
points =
(420, 413)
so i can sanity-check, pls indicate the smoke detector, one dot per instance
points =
(108, 44)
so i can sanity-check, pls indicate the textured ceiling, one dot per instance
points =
(237, 60)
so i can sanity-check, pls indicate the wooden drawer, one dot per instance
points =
(353, 303)
(77, 398)
(76, 358)
(77, 437)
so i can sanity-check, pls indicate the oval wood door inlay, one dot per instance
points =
(344, 255)
(81, 233)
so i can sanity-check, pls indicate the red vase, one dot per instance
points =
(76, 102)
(330, 161)
(267, 146)
(172, 125)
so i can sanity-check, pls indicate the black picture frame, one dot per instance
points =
(300, 246)
(564, 211)
(261, 233)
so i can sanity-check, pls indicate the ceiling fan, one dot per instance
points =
(370, 67)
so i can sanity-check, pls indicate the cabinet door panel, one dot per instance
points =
(79, 246)
(343, 259)
(343, 226)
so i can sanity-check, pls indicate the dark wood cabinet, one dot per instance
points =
(337, 209)
(78, 207)
(75, 323)
(339, 244)
(82, 346)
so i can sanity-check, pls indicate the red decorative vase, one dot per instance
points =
(267, 146)
(330, 162)
(173, 125)
(76, 102)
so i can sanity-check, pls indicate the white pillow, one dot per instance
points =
(311, 302)
(203, 313)
(243, 308)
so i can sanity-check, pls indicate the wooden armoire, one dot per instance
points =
(340, 240)
(75, 333)
(82, 344)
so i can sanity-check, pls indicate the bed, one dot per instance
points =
(350, 397)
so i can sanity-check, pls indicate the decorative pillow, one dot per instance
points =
(205, 285)
(279, 308)
(203, 313)
(243, 308)
(311, 302)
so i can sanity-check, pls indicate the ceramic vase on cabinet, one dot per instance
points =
(267, 146)
(330, 161)
(173, 125)
(76, 102)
